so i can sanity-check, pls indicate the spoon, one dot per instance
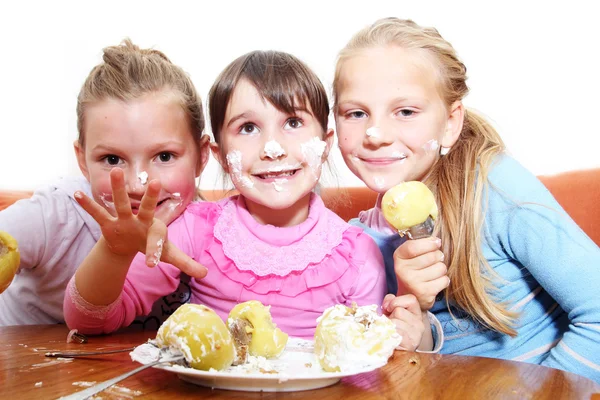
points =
(84, 394)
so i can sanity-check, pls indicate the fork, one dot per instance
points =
(84, 394)
(74, 354)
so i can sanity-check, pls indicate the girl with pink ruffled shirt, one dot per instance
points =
(275, 242)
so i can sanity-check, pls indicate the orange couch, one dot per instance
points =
(577, 191)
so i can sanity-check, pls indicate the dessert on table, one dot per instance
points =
(350, 336)
(198, 333)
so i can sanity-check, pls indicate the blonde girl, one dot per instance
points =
(514, 276)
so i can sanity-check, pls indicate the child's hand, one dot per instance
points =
(126, 234)
(405, 312)
(420, 270)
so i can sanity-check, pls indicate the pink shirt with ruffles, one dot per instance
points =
(298, 271)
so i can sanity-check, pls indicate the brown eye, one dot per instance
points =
(248, 129)
(165, 157)
(293, 123)
(112, 159)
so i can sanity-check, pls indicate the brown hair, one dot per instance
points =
(280, 78)
(459, 179)
(128, 72)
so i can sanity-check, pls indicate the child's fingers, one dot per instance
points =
(425, 274)
(402, 314)
(414, 248)
(172, 255)
(405, 301)
(407, 342)
(120, 197)
(155, 243)
(386, 301)
(94, 209)
(439, 284)
(149, 200)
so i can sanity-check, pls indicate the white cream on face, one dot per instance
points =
(176, 200)
(313, 153)
(277, 184)
(143, 177)
(234, 161)
(273, 149)
(107, 204)
(399, 155)
(431, 145)
(379, 182)
(373, 132)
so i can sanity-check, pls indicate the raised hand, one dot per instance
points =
(420, 270)
(128, 233)
(125, 234)
(405, 312)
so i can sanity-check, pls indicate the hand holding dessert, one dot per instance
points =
(410, 207)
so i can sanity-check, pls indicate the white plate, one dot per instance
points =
(296, 369)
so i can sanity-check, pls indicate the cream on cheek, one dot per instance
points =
(176, 201)
(108, 204)
(431, 146)
(234, 162)
(312, 153)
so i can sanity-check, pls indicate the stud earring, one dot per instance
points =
(444, 150)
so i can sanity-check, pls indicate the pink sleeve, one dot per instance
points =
(143, 286)
(370, 286)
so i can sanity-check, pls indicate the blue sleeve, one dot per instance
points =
(533, 229)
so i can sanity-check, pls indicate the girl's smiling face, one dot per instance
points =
(390, 118)
(149, 138)
(274, 159)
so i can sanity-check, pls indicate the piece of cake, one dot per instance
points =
(9, 260)
(351, 336)
(410, 208)
(254, 331)
(200, 335)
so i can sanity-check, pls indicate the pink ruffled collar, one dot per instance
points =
(269, 250)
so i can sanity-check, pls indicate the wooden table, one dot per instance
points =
(25, 373)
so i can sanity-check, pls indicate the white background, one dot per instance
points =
(533, 66)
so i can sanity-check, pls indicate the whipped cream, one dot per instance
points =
(359, 335)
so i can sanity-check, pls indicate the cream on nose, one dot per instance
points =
(136, 180)
(273, 149)
(143, 178)
(373, 132)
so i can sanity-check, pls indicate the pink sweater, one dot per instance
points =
(299, 271)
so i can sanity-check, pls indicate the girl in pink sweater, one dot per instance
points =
(275, 242)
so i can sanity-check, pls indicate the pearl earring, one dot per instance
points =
(444, 150)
